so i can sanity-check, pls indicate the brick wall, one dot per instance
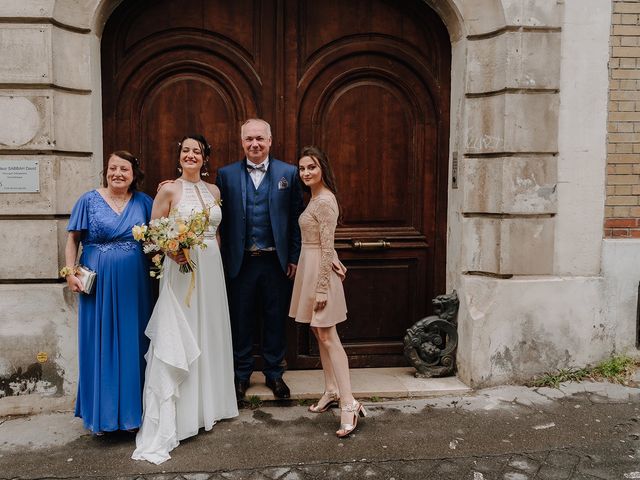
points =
(622, 208)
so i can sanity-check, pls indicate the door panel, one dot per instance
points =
(362, 148)
(366, 80)
(373, 92)
(159, 135)
(167, 73)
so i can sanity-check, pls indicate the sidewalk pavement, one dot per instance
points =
(386, 383)
(581, 431)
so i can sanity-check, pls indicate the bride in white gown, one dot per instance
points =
(189, 375)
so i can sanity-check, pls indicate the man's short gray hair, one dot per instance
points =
(256, 120)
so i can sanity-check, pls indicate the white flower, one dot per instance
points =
(149, 247)
(172, 231)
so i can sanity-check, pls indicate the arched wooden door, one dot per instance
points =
(367, 80)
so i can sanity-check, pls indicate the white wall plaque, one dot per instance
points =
(19, 176)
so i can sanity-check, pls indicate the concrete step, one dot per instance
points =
(366, 382)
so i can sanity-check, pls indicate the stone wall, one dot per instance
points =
(623, 159)
(47, 113)
(532, 194)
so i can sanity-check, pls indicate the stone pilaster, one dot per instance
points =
(509, 168)
(47, 113)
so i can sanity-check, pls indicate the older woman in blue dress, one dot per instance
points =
(112, 318)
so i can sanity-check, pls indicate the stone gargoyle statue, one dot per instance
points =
(430, 344)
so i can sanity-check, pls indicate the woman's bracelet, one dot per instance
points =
(67, 270)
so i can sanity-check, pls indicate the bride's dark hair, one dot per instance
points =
(204, 147)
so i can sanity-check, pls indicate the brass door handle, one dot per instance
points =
(377, 245)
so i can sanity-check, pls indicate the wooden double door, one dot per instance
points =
(366, 80)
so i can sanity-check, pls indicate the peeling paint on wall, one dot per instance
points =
(35, 378)
(537, 346)
(30, 363)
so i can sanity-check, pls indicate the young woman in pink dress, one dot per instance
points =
(318, 296)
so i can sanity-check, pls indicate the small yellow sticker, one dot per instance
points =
(42, 357)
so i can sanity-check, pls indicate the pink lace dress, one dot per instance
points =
(319, 270)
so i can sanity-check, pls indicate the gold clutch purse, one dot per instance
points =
(87, 277)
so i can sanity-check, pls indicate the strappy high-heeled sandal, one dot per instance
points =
(356, 409)
(327, 400)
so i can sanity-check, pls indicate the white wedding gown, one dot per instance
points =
(189, 375)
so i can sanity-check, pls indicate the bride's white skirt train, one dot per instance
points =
(189, 375)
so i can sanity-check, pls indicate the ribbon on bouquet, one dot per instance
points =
(192, 284)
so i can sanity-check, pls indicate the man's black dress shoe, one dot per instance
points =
(280, 389)
(241, 388)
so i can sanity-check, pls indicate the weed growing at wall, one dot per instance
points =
(617, 369)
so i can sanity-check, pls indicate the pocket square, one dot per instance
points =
(282, 184)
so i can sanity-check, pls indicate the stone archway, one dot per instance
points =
(504, 119)
(328, 90)
(498, 92)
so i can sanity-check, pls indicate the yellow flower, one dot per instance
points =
(182, 227)
(197, 225)
(139, 231)
(157, 259)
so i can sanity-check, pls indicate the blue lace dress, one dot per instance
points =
(112, 319)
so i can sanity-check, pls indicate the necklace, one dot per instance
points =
(121, 204)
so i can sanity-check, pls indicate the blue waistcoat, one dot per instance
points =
(259, 233)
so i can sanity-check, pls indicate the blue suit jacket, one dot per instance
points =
(285, 206)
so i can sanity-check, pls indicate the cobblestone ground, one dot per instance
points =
(587, 431)
(619, 463)
(616, 459)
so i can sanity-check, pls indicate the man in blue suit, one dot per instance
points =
(262, 200)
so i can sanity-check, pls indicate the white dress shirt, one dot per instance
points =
(258, 175)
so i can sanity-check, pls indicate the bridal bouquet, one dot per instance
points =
(173, 234)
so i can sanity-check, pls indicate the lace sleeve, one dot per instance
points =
(327, 216)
